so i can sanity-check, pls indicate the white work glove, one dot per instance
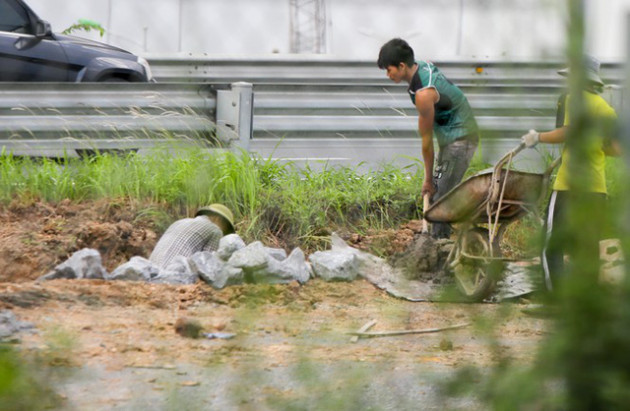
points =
(531, 139)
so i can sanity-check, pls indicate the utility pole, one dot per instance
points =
(109, 21)
(308, 26)
(460, 29)
(181, 26)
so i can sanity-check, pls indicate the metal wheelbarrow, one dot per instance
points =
(482, 207)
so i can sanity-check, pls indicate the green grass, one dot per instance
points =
(295, 207)
(268, 198)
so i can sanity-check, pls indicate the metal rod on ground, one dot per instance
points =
(406, 332)
(363, 329)
(425, 207)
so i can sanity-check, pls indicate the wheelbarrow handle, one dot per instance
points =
(547, 179)
(426, 203)
(495, 188)
(509, 155)
(522, 146)
(552, 167)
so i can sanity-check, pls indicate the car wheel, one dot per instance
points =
(476, 264)
(114, 80)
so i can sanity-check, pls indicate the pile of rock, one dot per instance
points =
(233, 263)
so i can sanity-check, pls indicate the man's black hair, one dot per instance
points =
(394, 52)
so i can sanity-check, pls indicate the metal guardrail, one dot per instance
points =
(374, 125)
(322, 114)
(304, 108)
(323, 97)
(52, 119)
(313, 69)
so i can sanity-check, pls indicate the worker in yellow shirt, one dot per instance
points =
(594, 177)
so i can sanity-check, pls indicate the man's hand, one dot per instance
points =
(531, 139)
(428, 188)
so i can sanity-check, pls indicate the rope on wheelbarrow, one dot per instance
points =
(492, 228)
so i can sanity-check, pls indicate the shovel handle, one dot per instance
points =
(425, 207)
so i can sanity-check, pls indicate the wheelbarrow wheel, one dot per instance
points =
(476, 264)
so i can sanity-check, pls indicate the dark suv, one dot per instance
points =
(30, 51)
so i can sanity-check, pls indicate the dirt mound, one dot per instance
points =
(387, 243)
(117, 242)
(424, 259)
(36, 237)
(420, 256)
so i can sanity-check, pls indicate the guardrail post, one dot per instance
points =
(235, 114)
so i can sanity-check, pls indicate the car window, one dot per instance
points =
(13, 17)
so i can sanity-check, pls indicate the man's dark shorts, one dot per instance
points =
(452, 162)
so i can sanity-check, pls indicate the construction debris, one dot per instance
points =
(136, 269)
(233, 263)
(177, 272)
(335, 265)
(219, 336)
(363, 329)
(613, 271)
(293, 268)
(228, 245)
(214, 270)
(406, 332)
(84, 264)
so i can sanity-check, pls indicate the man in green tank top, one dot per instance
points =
(443, 111)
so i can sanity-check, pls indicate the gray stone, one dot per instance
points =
(84, 264)
(252, 258)
(338, 244)
(366, 263)
(10, 325)
(293, 268)
(228, 245)
(365, 259)
(136, 269)
(335, 265)
(178, 272)
(380, 273)
(277, 253)
(214, 271)
(206, 265)
(229, 276)
(296, 263)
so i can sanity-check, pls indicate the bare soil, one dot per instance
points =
(387, 243)
(120, 326)
(36, 237)
(122, 336)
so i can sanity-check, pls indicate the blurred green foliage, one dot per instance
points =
(23, 385)
(584, 363)
(85, 25)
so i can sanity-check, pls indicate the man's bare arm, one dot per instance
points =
(556, 136)
(612, 148)
(425, 104)
(610, 129)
